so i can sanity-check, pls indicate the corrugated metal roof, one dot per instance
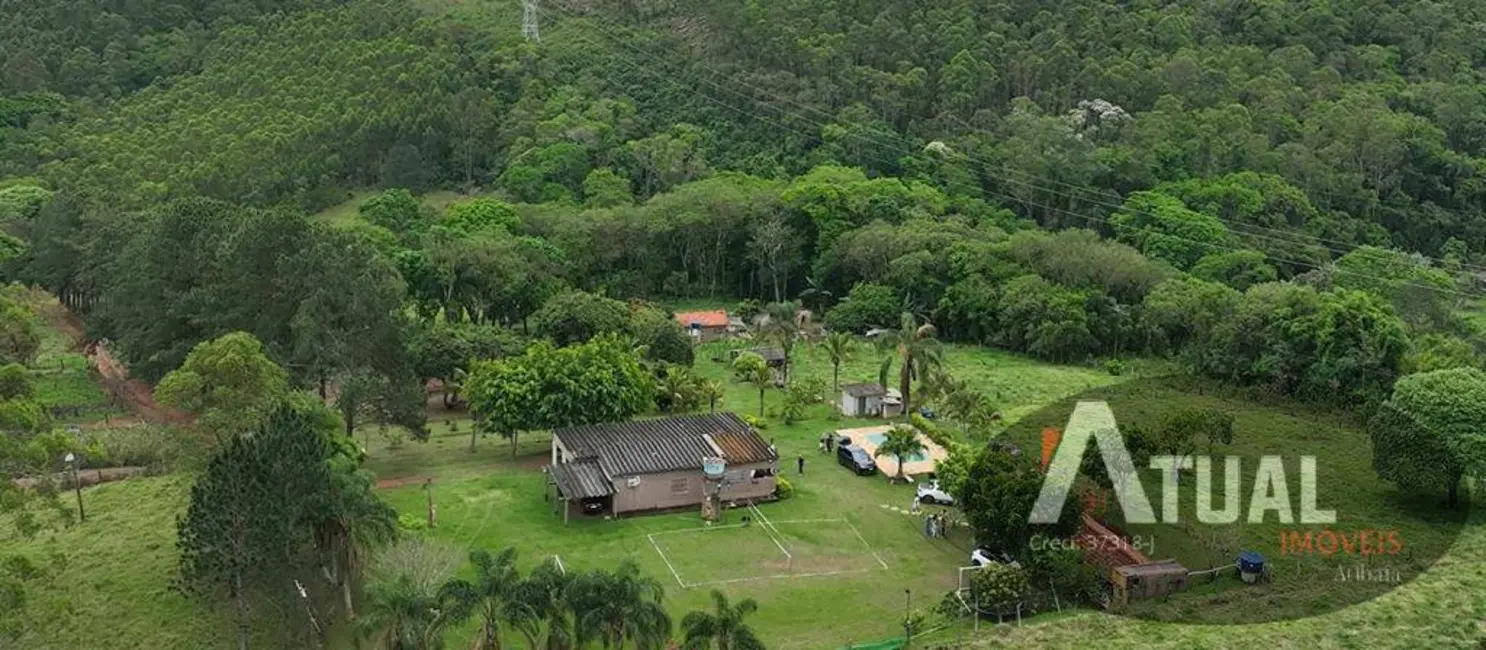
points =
(863, 390)
(665, 444)
(581, 479)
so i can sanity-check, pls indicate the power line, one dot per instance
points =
(669, 78)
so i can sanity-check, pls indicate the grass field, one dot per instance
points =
(1304, 584)
(108, 581)
(489, 500)
(62, 379)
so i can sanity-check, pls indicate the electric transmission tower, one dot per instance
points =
(529, 29)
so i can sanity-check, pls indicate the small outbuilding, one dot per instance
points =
(704, 326)
(1148, 580)
(862, 400)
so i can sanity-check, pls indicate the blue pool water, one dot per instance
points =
(877, 439)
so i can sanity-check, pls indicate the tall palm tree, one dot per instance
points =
(487, 596)
(914, 345)
(761, 377)
(723, 626)
(353, 521)
(619, 608)
(402, 614)
(901, 442)
(780, 324)
(840, 346)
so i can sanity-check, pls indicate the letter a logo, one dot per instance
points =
(1092, 420)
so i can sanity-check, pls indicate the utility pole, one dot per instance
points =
(529, 29)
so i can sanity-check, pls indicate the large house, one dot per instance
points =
(657, 464)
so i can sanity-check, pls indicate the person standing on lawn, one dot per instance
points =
(800, 463)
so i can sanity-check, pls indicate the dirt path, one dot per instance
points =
(113, 375)
(389, 483)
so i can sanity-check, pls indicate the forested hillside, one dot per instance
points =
(889, 152)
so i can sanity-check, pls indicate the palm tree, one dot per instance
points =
(620, 607)
(678, 388)
(780, 323)
(723, 626)
(711, 390)
(840, 346)
(901, 442)
(761, 377)
(915, 346)
(353, 522)
(543, 600)
(486, 596)
(402, 615)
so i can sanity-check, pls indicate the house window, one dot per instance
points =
(680, 486)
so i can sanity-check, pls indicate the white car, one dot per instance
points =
(929, 492)
(982, 557)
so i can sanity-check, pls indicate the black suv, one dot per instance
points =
(856, 459)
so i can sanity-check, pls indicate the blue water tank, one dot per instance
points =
(1250, 565)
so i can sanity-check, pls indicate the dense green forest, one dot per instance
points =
(1077, 180)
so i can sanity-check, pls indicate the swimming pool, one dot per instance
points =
(878, 438)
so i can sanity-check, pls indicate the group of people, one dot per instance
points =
(827, 443)
(936, 525)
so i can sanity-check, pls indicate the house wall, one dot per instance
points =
(706, 334)
(560, 452)
(685, 488)
(849, 406)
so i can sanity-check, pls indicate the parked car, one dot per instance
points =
(856, 459)
(930, 492)
(982, 556)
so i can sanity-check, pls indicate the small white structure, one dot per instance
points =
(892, 403)
(862, 400)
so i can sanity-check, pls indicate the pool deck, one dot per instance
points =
(888, 465)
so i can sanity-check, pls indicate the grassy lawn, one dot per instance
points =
(108, 578)
(106, 581)
(837, 523)
(1303, 584)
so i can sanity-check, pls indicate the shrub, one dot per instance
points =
(411, 523)
(1065, 572)
(755, 421)
(1115, 367)
(782, 488)
(746, 364)
(998, 584)
(152, 446)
